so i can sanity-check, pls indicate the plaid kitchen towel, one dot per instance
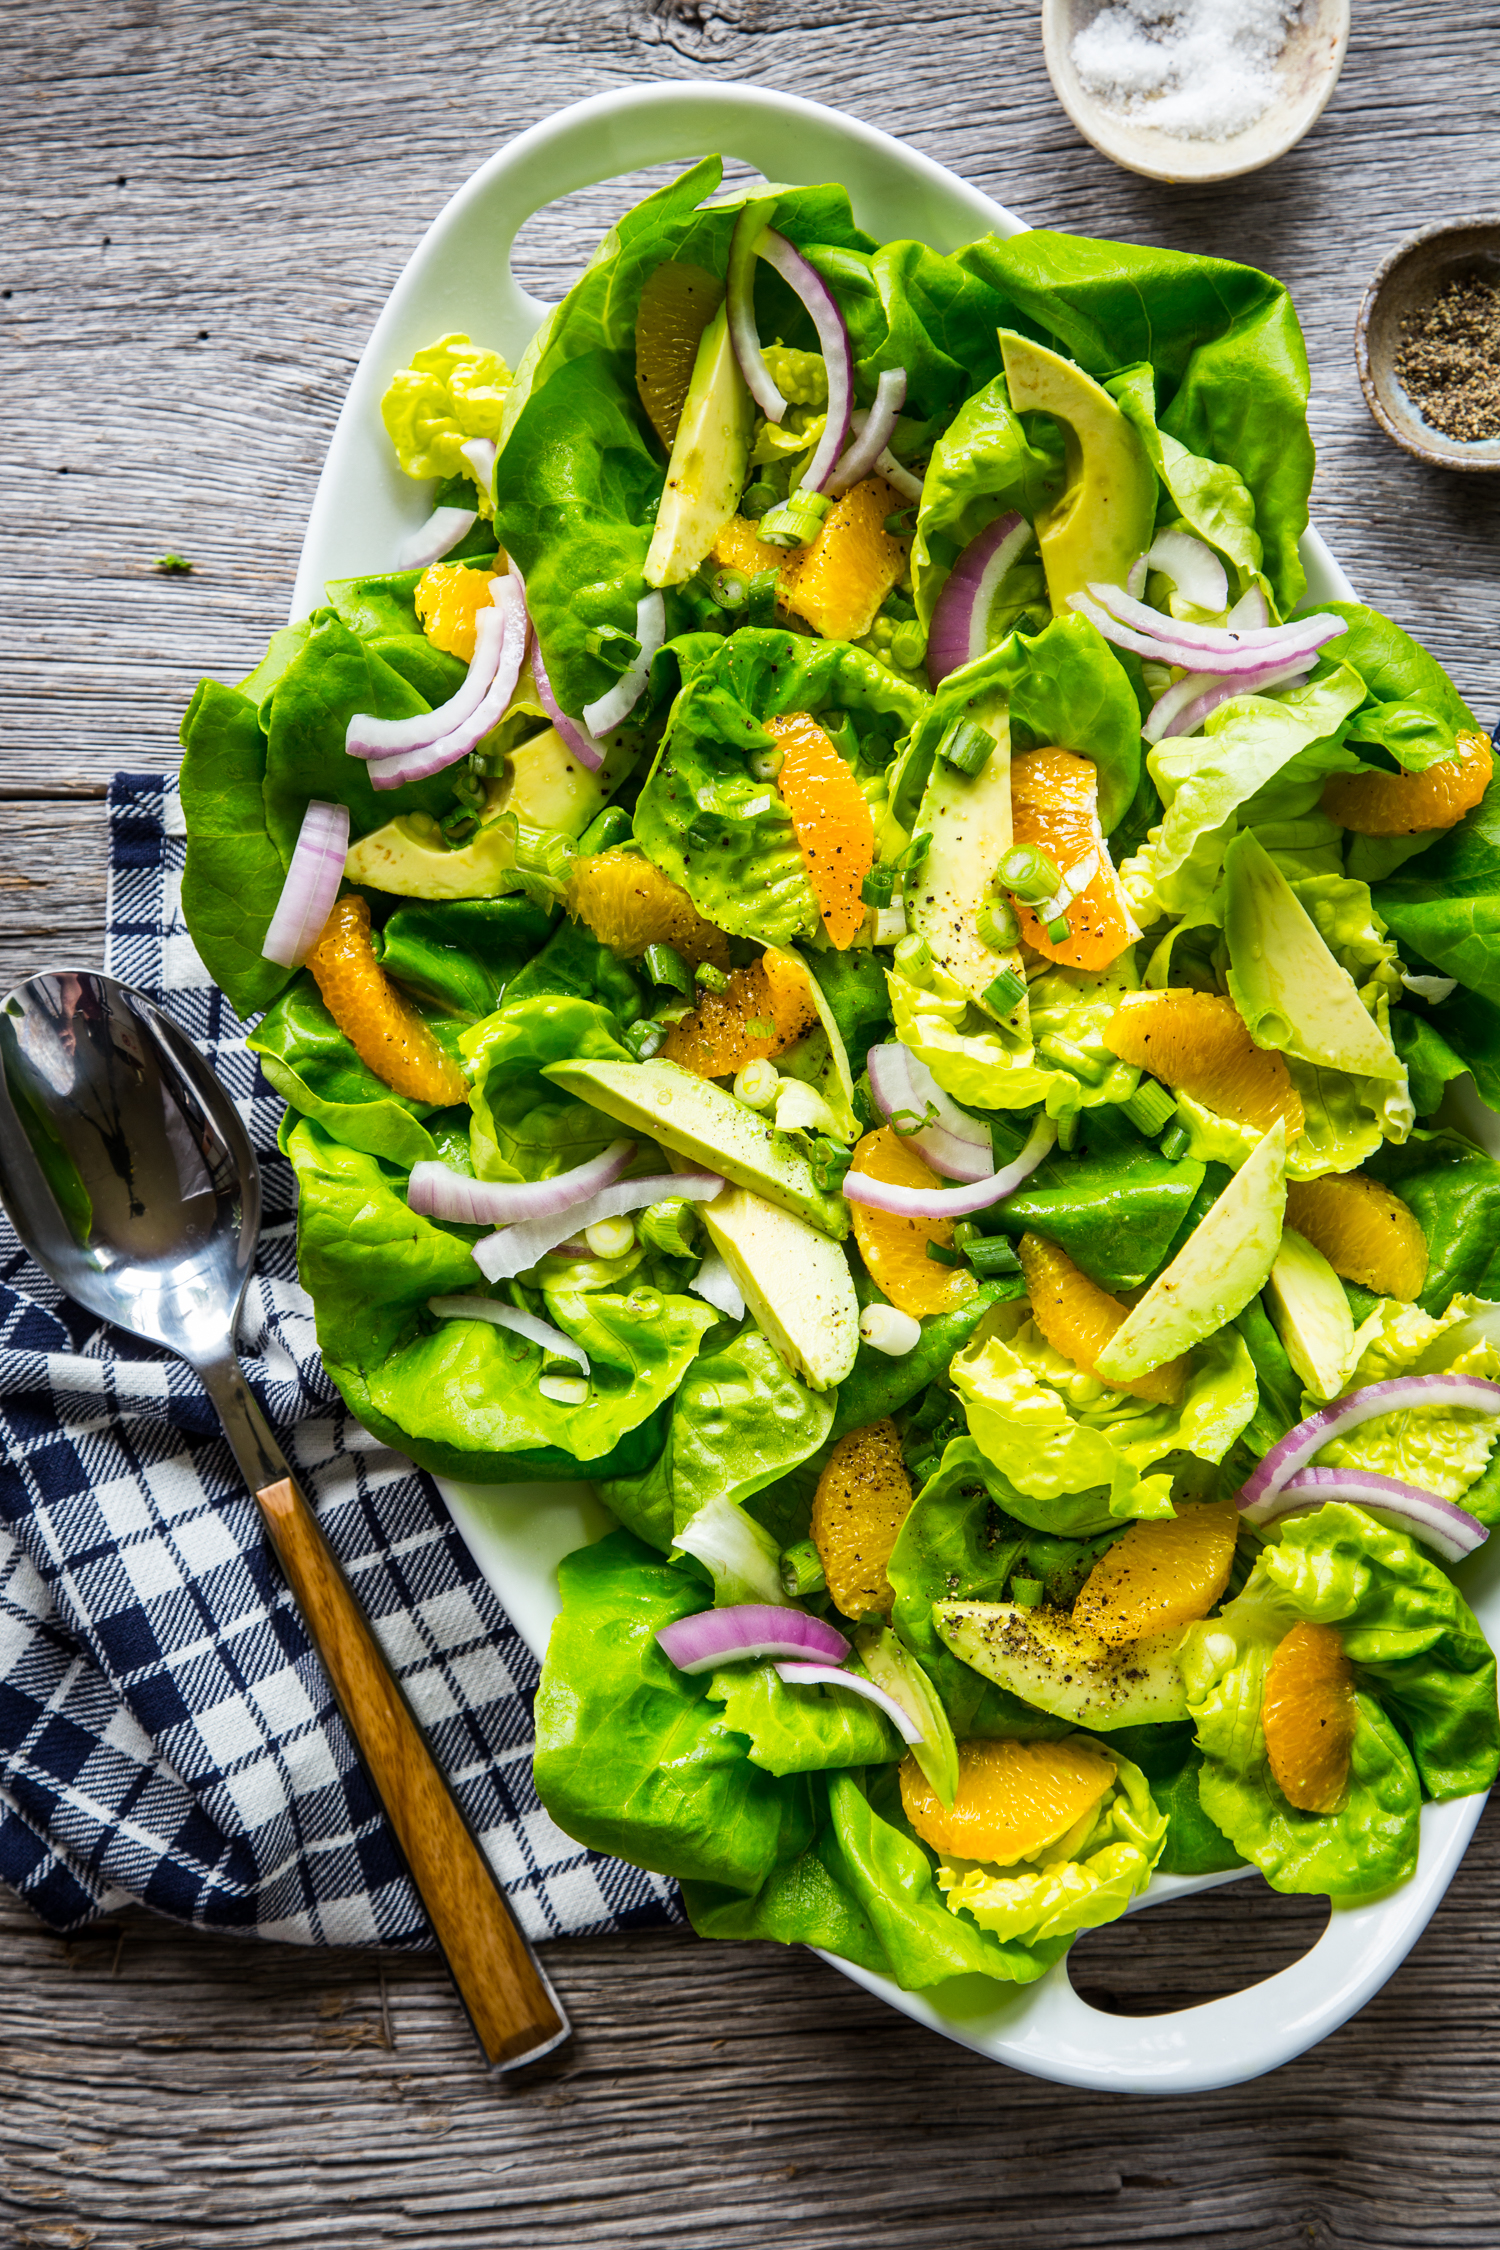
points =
(166, 1733)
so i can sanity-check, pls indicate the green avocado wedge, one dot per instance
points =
(1283, 979)
(697, 1119)
(1037, 1655)
(1106, 517)
(710, 459)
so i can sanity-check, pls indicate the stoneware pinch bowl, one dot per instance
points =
(1411, 277)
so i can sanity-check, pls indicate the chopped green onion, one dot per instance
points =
(909, 646)
(671, 1225)
(758, 497)
(1175, 1141)
(902, 524)
(760, 602)
(915, 852)
(1007, 992)
(605, 830)
(998, 925)
(1027, 1592)
(759, 1027)
(459, 825)
(756, 1083)
(643, 1038)
(730, 588)
(1028, 874)
(796, 521)
(1059, 931)
(711, 979)
(612, 647)
(969, 747)
(878, 886)
(802, 1569)
(941, 1255)
(611, 1238)
(829, 1164)
(665, 966)
(992, 1256)
(1150, 1108)
(913, 958)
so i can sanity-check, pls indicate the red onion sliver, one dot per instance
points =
(722, 1636)
(956, 1203)
(750, 229)
(716, 1285)
(1194, 569)
(1402, 1507)
(838, 357)
(1398, 1396)
(480, 454)
(585, 749)
(367, 737)
(618, 702)
(436, 1191)
(312, 883)
(954, 1144)
(829, 1675)
(1217, 641)
(874, 432)
(443, 529)
(539, 1332)
(961, 613)
(1216, 692)
(447, 749)
(517, 1248)
(1171, 646)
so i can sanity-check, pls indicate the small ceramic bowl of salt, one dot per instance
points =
(1194, 90)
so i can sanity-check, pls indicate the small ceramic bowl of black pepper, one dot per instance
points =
(1427, 344)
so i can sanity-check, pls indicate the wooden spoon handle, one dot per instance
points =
(511, 2004)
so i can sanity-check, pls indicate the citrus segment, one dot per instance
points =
(1308, 1714)
(1409, 804)
(447, 599)
(1078, 1318)
(387, 1035)
(1013, 1798)
(863, 1499)
(895, 1250)
(839, 580)
(739, 547)
(1159, 1575)
(835, 833)
(629, 904)
(677, 304)
(1054, 800)
(1197, 1043)
(762, 1011)
(1367, 1234)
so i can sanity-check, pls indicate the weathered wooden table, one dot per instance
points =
(203, 210)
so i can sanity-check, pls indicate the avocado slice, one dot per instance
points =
(1286, 984)
(543, 784)
(795, 1281)
(1310, 1313)
(892, 1666)
(1037, 1655)
(710, 460)
(1106, 518)
(1221, 1266)
(699, 1120)
(969, 820)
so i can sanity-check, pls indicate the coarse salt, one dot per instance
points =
(1202, 69)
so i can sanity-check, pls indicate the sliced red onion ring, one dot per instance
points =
(874, 432)
(312, 883)
(525, 1324)
(956, 1203)
(443, 529)
(954, 1144)
(1402, 1507)
(436, 1191)
(723, 1636)
(833, 335)
(716, 1285)
(585, 749)
(480, 454)
(899, 479)
(749, 230)
(367, 737)
(1170, 645)
(961, 614)
(1217, 641)
(829, 1675)
(619, 701)
(416, 765)
(1188, 702)
(517, 1248)
(1398, 1396)
(1194, 569)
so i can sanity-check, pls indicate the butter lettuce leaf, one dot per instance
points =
(315, 1070)
(234, 873)
(452, 392)
(1076, 1884)
(523, 1127)
(1211, 499)
(984, 465)
(1411, 709)
(1113, 1202)
(1444, 907)
(1060, 1062)
(794, 1729)
(1454, 1189)
(1441, 1449)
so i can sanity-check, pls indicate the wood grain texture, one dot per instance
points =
(201, 211)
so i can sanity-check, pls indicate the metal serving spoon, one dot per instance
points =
(129, 1177)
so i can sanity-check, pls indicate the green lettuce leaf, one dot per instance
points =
(315, 1070)
(1411, 708)
(1454, 1189)
(1076, 1884)
(1112, 1201)
(795, 1729)
(1063, 1065)
(878, 1384)
(985, 464)
(1208, 498)
(1444, 908)
(1217, 1402)
(460, 955)
(452, 392)
(1443, 1450)
(523, 1128)
(234, 872)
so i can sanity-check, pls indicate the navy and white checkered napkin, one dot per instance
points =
(166, 1733)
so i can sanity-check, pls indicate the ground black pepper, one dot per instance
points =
(1449, 361)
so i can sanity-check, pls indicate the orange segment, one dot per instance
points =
(677, 304)
(895, 1250)
(1367, 1234)
(1196, 1043)
(1308, 1713)
(835, 833)
(1078, 1318)
(764, 1010)
(387, 1035)
(1408, 804)
(1054, 801)
(863, 1499)
(447, 598)
(838, 581)
(1159, 1575)
(1013, 1798)
(629, 904)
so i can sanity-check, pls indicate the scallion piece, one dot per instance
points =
(802, 1569)
(1175, 1141)
(878, 886)
(1028, 874)
(1150, 1108)
(1006, 993)
(967, 746)
(666, 967)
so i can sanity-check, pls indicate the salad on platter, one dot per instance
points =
(849, 960)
